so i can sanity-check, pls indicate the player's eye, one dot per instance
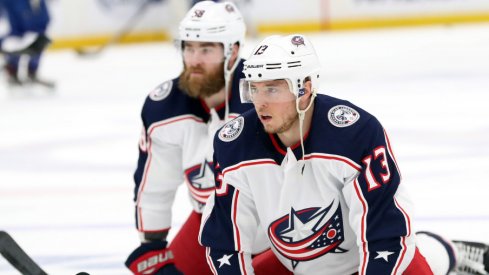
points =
(188, 50)
(272, 90)
(206, 50)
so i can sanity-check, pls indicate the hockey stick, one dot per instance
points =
(36, 47)
(12, 252)
(119, 35)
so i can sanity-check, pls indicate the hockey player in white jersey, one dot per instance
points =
(180, 118)
(319, 174)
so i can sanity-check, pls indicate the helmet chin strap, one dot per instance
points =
(302, 114)
(227, 78)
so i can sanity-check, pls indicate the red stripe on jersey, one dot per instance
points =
(403, 242)
(280, 149)
(363, 224)
(406, 216)
(235, 222)
(173, 120)
(148, 160)
(156, 231)
(403, 253)
(140, 222)
(141, 188)
(242, 263)
(209, 260)
(218, 107)
(243, 164)
(391, 153)
(335, 157)
(277, 147)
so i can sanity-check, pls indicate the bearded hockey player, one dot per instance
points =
(319, 174)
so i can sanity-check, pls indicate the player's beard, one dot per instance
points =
(210, 83)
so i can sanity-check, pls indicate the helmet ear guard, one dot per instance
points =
(289, 57)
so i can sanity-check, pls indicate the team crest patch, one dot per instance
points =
(162, 91)
(297, 40)
(229, 8)
(343, 116)
(232, 129)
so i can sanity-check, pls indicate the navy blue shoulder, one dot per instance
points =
(339, 114)
(167, 101)
(342, 128)
(240, 140)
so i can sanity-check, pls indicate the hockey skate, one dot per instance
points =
(15, 81)
(473, 258)
(34, 79)
(12, 78)
(42, 82)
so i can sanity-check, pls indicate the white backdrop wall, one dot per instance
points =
(72, 18)
(352, 9)
(84, 18)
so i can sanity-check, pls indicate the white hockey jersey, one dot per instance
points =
(341, 210)
(176, 147)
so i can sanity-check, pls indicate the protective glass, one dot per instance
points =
(271, 91)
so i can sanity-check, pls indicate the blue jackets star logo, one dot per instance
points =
(200, 181)
(309, 233)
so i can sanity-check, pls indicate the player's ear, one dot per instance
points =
(307, 87)
(304, 100)
(234, 55)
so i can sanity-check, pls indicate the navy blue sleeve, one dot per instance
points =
(379, 206)
(222, 227)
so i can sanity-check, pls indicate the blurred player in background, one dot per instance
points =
(26, 18)
(180, 117)
(318, 173)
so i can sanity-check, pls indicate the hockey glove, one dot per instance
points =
(152, 258)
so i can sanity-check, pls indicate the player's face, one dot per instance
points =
(275, 105)
(204, 68)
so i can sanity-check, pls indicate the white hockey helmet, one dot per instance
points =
(291, 58)
(208, 21)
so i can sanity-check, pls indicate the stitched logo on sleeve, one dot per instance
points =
(231, 130)
(162, 91)
(342, 116)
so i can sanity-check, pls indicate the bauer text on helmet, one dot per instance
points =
(291, 58)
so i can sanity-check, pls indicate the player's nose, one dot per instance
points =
(260, 105)
(194, 60)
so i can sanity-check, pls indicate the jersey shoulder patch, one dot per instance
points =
(161, 91)
(231, 130)
(343, 116)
